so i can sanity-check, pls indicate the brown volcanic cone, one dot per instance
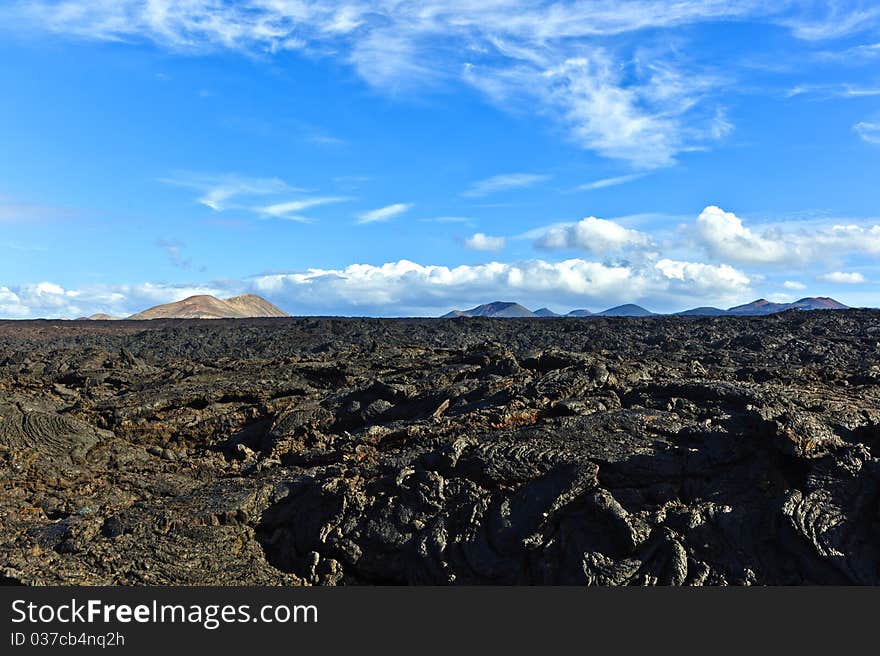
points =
(208, 307)
(255, 306)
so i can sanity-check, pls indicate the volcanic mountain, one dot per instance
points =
(628, 310)
(759, 307)
(703, 311)
(763, 306)
(209, 307)
(495, 309)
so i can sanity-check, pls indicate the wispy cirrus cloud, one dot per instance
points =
(503, 182)
(828, 91)
(576, 62)
(868, 131)
(225, 191)
(609, 182)
(382, 214)
(289, 210)
(817, 21)
(218, 191)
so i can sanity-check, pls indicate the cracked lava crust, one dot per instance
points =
(668, 450)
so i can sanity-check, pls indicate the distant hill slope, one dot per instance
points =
(759, 307)
(704, 311)
(209, 307)
(495, 309)
(818, 303)
(628, 310)
(763, 306)
(255, 306)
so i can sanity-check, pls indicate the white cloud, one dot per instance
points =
(383, 213)
(828, 91)
(50, 300)
(482, 242)
(843, 278)
(704, 279)
(407, 288)
(503, 182)
(288, 210)
(835, 19)
(724, 235)
(557, 57)
(218, 190)
(644, 115)
(597, 236)
(794, 285)
(609, 182)
(11, 305)
(869, 132)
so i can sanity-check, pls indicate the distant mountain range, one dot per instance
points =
(206, 307)
(250, 305)
(755, 308)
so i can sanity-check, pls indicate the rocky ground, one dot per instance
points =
(665, 450)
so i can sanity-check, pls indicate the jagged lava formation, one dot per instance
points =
(661, 450)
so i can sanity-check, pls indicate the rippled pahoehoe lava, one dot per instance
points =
(664, 450)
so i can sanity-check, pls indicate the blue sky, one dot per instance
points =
(400, 158)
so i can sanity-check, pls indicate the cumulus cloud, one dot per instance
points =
(51, 300)
(408, 288)
(482, 242)
(598, 236)
(843, 278)
(503, 182)
(725, 236)
(11, 305)
(703, 279)
(794, 285)
(383, 213)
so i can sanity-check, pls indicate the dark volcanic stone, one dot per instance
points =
(661, 450)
